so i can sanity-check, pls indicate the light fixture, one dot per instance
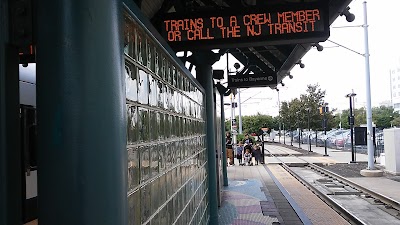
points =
(319, 47)
(290, 76)
(222, 89)
(349, 16)
(218, 74)
(282, 84)
(301, 64)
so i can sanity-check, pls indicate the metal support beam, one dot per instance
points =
(82, 156)
(10, 154)
(204, 61)
(223, 147)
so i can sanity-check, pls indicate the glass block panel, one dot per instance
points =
(129, 36)
(178, 102)
(143, 125)
(157, 63)
(172, 152)
(154, 151)
(150, 54)
(171, 210)
(161, 94)
(163, 67)
(144, 163)
(177, 208)
(168, 72)
(134, 208)
(164, 216)
(161, 126)
(162, 157)
(131, 86)
(133, 168)
(167, 97)
(178, 179)
(178, 151)
(163, 189)
(155, 195)
(132, 124)
(153, 126)
(168, 155)
(155, 220)
(172, 101)
(143, 87)
(153, 91)
(168, 124)
(179, 80)
(168, 181)
(174, 81)
(141, 47)
(145, 199)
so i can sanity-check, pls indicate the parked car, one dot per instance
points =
(321, 141)
(337, 139)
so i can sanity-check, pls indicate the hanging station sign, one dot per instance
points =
(291, 23)
(252, 80)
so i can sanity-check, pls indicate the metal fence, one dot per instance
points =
(379, 144)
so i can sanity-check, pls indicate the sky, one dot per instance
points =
(336, 69)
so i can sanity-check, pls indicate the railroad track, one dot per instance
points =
(356, 204)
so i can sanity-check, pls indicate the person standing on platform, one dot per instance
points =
(229, 149)
(239, 152)
(248, 142)
(257, 153)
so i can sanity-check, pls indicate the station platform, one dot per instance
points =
(267, 194)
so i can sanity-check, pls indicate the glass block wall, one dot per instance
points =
(167, 158)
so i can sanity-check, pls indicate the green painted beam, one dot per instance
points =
(82, 157)
(223, 147)
(204, 74)
(10, 154)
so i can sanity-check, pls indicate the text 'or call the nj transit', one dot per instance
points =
(250, 25)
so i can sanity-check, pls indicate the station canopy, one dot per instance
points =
(266, 36)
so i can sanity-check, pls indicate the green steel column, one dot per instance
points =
(224, 159)
(10, 154)
(204, 74)
(82, 156)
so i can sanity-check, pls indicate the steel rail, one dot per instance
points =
(384, 199)
(339, 209)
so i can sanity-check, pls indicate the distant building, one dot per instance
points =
(395, 87)
(385, 103)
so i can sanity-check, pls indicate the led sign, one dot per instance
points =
(291, 23)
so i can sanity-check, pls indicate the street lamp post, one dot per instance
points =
(309, 130)
(298, 125)
(351, 123)
(370, 144)
(291, 135)
(325, 108)
(284, 134)
(279, 116)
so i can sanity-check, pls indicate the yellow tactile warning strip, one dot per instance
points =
(35, 222)
(323, 160)
(314, 208)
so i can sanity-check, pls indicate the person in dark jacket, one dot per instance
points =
(248, 143)
(229, 148)
(257, 153)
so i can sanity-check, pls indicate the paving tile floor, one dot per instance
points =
(253, 198)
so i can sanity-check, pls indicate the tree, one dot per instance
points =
(312, 100)
(296, 112)
(383, 116)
